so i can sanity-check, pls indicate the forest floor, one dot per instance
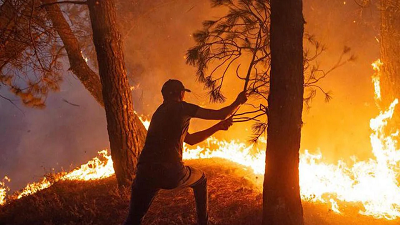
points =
(233, 199)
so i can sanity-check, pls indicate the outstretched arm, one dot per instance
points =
(223, 113)
(200, 136)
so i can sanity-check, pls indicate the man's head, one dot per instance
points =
(173, 90)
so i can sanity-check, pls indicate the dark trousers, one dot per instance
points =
(151, 178)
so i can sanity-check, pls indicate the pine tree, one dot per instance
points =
(281, 189)
(390, 47)
(35, 37)
(266, 53)
(125, 141)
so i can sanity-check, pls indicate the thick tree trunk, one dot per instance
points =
(281, 195)
(390, 48)
(88, 78)
(78, 65)
(125, 136)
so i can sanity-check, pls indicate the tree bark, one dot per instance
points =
(390, 48)
(78, 65)
(125, 139)
(281, 190)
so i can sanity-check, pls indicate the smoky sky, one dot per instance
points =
(63, 136)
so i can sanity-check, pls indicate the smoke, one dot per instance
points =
(156, 39)
(61, 136)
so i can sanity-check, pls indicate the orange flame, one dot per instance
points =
(3, 190)
(376, 66)
(97, 168)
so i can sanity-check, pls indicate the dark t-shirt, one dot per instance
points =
(168, 128)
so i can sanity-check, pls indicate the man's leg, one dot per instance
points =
(141, 199)
(201, 197)
(197, 180)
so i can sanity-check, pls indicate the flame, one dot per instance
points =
(373, 182)
(334, 206)
(97, 168)
(146, 123)
(234, 151)
(32, 188)
(3, 190)
(376, 66)
(84, 57)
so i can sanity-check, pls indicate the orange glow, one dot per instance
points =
(373, 182)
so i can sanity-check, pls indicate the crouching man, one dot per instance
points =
(160, 164)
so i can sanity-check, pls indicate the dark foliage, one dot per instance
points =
(29, 52)
(242, 37)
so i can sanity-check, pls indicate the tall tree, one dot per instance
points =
(125, 141)
(390, 47)
(78, 64)
(281, 191)
(35, 34)
(239, 43)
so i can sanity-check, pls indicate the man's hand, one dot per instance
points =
(241, 98)
(200, 136)
(224, 124)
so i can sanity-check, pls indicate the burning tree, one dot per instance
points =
(36, 37)
(269, 37)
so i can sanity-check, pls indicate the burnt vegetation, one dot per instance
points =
(238, 44)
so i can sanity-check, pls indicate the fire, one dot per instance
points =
(3, 190)
(97, 168)
(373, 182)
(376, 66)
(234, 151)
(32, 188)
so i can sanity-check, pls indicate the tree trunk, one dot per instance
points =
(125, 135)
(281, 193)
(390, 48)
(78, 65)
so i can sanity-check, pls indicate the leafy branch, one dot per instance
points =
(242, 35)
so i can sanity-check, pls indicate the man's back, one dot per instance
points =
(167, 131)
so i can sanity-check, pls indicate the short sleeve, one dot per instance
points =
(189, 109)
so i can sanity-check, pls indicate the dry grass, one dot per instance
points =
(234, 199)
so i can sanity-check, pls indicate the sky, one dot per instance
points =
(63, 136)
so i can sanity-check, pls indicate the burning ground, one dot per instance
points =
(234, 199)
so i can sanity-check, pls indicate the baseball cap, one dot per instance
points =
(173, 86)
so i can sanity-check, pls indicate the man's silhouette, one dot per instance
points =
(160, 164)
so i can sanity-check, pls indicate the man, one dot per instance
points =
(160, 164)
